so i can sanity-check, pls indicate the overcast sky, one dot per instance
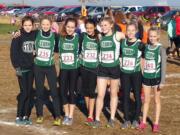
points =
(101, 2)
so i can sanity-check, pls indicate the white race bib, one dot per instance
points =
(149, 66)
(128, 63)
(67, 58)
(107, 56)
(90, 55)
(43, 54)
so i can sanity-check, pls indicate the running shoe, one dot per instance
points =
(126, 125)
(69, 122)
(40, 120)
(135, 124)
(57, 122)
(142, 126)
(19, 121)
(65, 120)
(89, 121)
(27, 121)
(155, 128)
(96, 124)
(111, 123)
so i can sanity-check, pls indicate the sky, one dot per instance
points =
(101, 2)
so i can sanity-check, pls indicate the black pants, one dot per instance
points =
(25, 84)
(68, 84)
(131, 82)
(50, 74)
(46, 101)
(89, 81)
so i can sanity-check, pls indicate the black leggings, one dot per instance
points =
(68, 85)
(89, 81)
(131, 82)
(50, 73)
(25, 84)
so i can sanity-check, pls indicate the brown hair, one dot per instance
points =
(63, 32)
(46, 17)
(91, 21)
(27, 18)
(133, 23)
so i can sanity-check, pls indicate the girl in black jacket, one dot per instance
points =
(21, 53)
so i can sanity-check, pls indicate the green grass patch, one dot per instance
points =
(6, 28)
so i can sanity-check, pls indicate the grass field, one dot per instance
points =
(5, 28)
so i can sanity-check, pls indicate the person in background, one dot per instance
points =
(177, 40)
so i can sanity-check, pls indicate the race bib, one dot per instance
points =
(128, 63)
(107, 57)
(43, 54)
(67, 58)
(90, 55)
(149, 66)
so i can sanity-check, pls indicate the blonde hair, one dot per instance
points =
(155, 29)
(107, 19)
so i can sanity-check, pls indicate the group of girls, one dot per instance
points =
(104, 59)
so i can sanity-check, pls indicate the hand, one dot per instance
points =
(16, 34)
(18, 71)
(160, 86)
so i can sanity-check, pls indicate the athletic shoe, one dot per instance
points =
(155, 128)
(111, 123)
(27, 121)
(142, 126)
(39, 120)
(96, 124)
(19, 121)
(135, 124)
(126, 125)
(65, 120)
(69, 122)
(57, 122)
(89, 121)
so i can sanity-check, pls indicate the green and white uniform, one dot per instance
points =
(152, 65)
(90, 50)
(44, 49)
(109, 51)
(131, 56)
(68, 49)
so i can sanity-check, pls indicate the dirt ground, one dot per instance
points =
(169, 120)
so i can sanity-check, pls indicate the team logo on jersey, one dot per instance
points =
(150, 55)
(68, 46)
(128, 51)
(91, 45)
(44, 44)
(106, 44)
(28, 46)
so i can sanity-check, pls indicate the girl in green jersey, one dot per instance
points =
(153, 76)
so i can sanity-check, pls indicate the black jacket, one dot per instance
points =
(21, 51)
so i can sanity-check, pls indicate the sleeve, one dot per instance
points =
(14, 53)
(56, 48)
(81, 36)
(120, 50)
(142, 48)
(163, 64)
(141, 30)
(117, 28)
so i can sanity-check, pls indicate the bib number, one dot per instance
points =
(90, 56)
(128, 63)
(43, 54)
(149, 66)
(107, 57)
(67, 58)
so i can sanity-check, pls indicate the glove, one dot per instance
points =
(18, 71)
